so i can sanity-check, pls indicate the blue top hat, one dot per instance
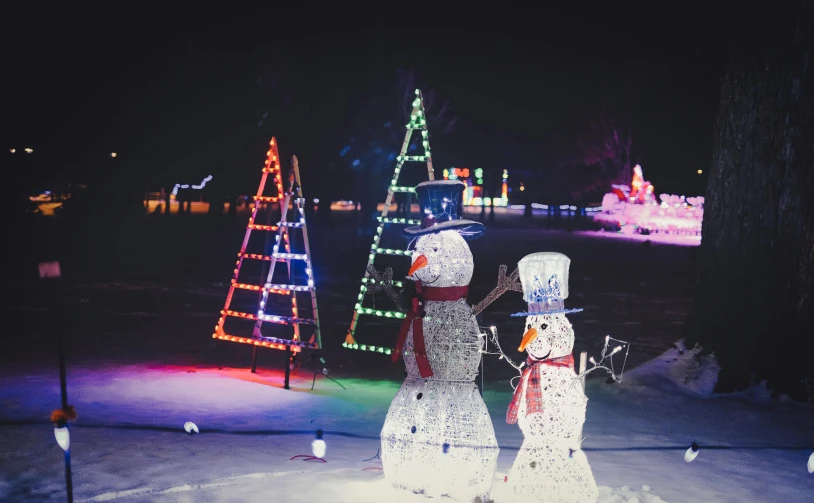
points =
(441, 203)
(544, 277)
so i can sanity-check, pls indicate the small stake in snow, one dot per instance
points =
(60, 417)
(691, 453)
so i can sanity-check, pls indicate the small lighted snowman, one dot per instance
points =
(549, 403)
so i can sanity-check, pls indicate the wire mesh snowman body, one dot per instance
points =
(438, 438)
(549, 402)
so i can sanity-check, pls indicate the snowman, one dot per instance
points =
(549, 401)
(438, 438)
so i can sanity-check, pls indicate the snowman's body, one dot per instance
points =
(551, 466)
(438, 438)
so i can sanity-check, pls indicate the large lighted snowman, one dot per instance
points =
(438, 437)
(549, 402)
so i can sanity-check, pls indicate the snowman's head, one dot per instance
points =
(548, 336)
(442, 259)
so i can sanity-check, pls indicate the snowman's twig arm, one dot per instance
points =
(496, 343)
(504, 284)
(383, 282)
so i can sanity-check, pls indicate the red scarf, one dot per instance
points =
(415, 319)
(530, 381)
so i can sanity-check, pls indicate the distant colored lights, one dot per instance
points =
(186, 186)
(700, 171)
(113, 154)
(29, 150)
(13, 150)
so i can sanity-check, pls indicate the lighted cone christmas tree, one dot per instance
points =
(364, 305)
(438, 437)
(549, 402)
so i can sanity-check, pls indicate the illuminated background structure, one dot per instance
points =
(634, 210)
(474, 191)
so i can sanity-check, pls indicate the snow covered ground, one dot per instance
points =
(128, 444)
(142, 362)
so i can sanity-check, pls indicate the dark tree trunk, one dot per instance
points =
(754, 304)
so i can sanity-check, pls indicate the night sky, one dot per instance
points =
(179, 94)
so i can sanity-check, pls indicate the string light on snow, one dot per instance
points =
(811, 463)
(63, 437)
(191, 427)
(318, 445)
(692, 453)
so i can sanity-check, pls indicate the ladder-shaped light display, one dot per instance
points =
(280, 252)
(294, 199)
(418, 122)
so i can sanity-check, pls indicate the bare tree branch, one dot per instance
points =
(439, 114)
(609, 148)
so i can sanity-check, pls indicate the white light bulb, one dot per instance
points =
(691, 453)
(811, 463)
(190, 427)
(64, 438)
(616, 350)
(318, 447)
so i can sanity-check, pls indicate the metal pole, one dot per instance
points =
(583, 364)
(482, 363)
(63, 382)
(63, 387)
(287, 367)
(68, 481)
(254, 359)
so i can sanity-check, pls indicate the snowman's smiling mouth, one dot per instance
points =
(545, 357)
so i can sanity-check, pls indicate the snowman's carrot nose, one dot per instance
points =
(529, 336)
(420, 261)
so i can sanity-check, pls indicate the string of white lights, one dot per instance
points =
(187, 186)
(609, 368)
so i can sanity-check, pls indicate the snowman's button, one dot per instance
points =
(412, 430)
(418, 396)
(423, 313)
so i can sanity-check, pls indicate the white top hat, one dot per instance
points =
(544, 277)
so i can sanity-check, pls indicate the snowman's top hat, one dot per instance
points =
(441, 203)
(544, 277)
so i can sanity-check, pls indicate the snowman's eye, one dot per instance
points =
(529, 327)
(543, 326)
